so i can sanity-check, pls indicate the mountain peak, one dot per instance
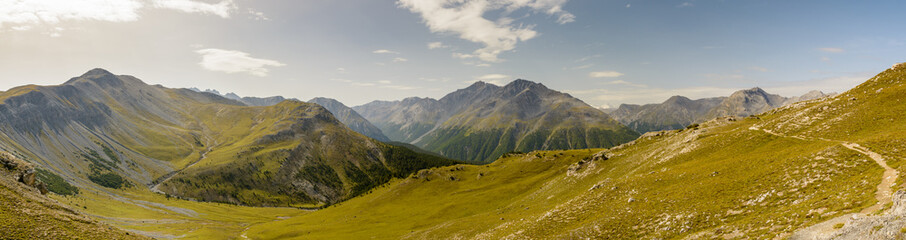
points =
(99, 76)
(97, 72)
(524, 84)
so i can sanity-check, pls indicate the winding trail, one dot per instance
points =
(828, 229)
(884, 193)
(170, 175)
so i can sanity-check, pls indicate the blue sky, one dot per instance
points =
(603, 52)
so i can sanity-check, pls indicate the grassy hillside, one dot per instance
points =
(759, 177)
(26, 214)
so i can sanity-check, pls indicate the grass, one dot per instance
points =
(156, 215)
(726, 177)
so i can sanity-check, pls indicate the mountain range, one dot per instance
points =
(483, 121)
(103, 131)
(678, 112)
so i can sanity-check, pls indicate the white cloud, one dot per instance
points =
(436, 45)
(384, 82)
(831, 50)
(621, 82)
(22, 14)
(493, 77)
(22, 28)
(221, 9)
(588, 58)
(466, 19)
(384, 51)
(685, 4)
(231, 61)
(605, 74)
(399, 59)
(33, 12)
(582, 66)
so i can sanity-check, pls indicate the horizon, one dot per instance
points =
(604, 53)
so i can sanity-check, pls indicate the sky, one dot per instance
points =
(605, 52)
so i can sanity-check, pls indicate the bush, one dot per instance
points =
(109, 180)
(56, 184)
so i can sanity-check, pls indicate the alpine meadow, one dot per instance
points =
(452, 119)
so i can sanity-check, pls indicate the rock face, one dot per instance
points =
(484, 121)
(351, 118)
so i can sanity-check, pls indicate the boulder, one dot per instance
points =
(28, 177)
(43, 188)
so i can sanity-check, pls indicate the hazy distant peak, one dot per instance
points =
(677, 99)
(232, 96)
(97, 72)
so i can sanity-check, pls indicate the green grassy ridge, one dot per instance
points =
(285, 145)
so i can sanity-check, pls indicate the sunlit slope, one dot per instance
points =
(758, 177)
(484, 121)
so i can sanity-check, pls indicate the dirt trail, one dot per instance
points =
(890, 176)
(170, 175)
(827, 229)
(884, 192)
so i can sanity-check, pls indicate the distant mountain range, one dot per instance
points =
(484, 121)
(678, 111)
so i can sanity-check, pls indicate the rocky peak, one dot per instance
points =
(677, 100)
(520, 84)
(98, 76)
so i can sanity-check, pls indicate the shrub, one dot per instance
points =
(56, 184)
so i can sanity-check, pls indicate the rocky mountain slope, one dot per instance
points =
(679, 112)
(106, 132)
(769, 176)
(350, 117)
(484, 121)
